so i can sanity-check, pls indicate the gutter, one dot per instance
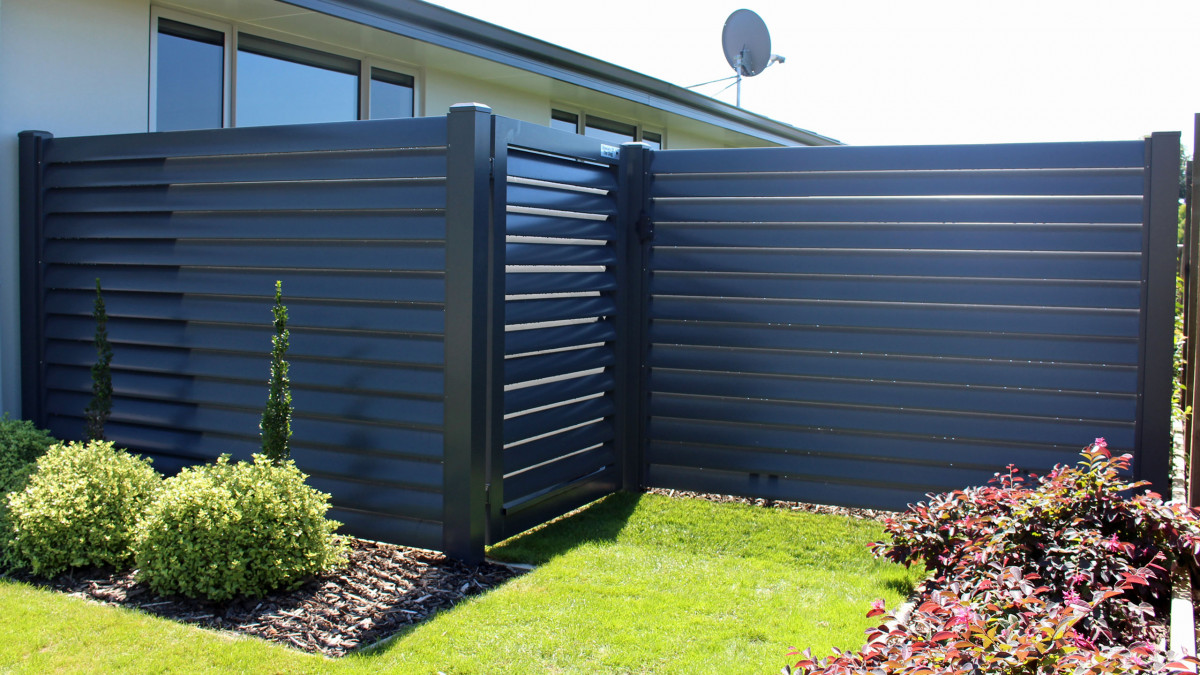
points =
(445, 28)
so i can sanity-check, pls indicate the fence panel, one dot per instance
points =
(187, 233)
(860, 326)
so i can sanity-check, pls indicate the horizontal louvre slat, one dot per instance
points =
(962, 290)
(410, 193)
(543, 507)
(995, 345)
(247, 310)
(560, 200)
(254, 365)
(940, 236)
(904, 210)
(884, 367)
(542, 167)
(903, 183)
(926, 450)
(305, 342)
(527, 398)
(528, 368)
(324, 226)
(551, 475)
(427, 287)
(1001, 428)
(205, 419)
(901, 395)
(377, 255)
(997, 264)
(537, 311)
(536, 424)
(1053, 320)
(346, 405)
(537, 339)
(363, 135)
(530, 225)
(341, 165)
(543, 450)
(905, 157)
(558, 254)
(561, 282)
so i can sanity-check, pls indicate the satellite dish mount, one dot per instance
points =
(747, 46)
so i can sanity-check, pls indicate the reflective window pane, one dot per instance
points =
(564, 121)
(278, 83)
(608, 130)
(190, 84)
(391, 94)
(652, 139)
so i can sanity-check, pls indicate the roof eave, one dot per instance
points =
(449, 29)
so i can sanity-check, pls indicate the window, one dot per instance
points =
(391, 94)
(190, 77)
(208, 74)
(610, 131)
(279, 83)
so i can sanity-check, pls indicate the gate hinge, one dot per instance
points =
(487, 496)
(645, 227)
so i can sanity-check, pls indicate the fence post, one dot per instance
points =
(468, 290)
(1161, 211)
(1191, 328)
(629, 349)
(31, 222)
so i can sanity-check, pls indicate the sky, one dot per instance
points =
(899, 72)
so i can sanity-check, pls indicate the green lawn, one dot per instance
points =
(631, 584)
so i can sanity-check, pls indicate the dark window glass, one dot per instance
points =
(652, 139)
(608, 130)
(278, 83)
(564, 121)
(391, 94)
(191, 77)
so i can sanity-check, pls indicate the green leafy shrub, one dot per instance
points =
(81, 507)
(21, 444)
(237, 529)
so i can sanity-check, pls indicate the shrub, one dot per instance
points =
(81, 507)
(21, 444)
(276, 422)
(237, 529)
(100, 407)
(1054, 574)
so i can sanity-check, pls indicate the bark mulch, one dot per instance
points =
(383, 589)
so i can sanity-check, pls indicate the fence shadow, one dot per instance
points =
(600, 521)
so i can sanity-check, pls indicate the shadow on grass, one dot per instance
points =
(601, 521)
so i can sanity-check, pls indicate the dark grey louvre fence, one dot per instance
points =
(494, 322)
(864, 325)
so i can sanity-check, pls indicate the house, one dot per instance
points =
(81, 67)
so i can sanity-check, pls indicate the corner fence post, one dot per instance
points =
(32, 238)
(631, 311)
(1153, 458)
(468, 288)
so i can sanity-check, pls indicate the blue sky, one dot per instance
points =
(913, 71)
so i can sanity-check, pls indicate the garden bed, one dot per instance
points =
(382, 589)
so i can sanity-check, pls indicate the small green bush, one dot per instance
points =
(21, 444)
(81, 507)
(224, 530)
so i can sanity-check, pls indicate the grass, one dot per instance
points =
(631, 584)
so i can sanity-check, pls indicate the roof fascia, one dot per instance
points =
(445, 28)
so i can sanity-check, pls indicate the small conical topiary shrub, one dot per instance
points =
(100, 407)
(276, 423)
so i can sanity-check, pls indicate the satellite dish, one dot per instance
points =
(747, 45)
(746, 42)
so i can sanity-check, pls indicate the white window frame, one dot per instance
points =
(581, 124)
(231, 30)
